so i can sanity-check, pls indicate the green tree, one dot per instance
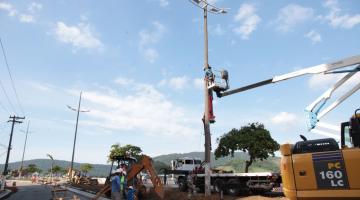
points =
(127, 150)
(32, 168)
(253, 139)
(86, 168)
(56, 169)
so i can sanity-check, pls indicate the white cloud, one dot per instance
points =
(336, 19)
(8, 8)
(199, 83)
(26, 18)
(179, 83)
(153, 36)
(285, 120)
(321, 81)
(314, 36)
(151, 54)
(248, 20)
(218, 30)
(292, 15)
(145, 110)
(124, 81)
(35, 7)
(148, 38)
(41, 86)
(79, 36)
(164, 3)
(176, 83)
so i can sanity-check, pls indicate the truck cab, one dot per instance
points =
(185, 164)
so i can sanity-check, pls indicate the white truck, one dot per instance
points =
(228, 182)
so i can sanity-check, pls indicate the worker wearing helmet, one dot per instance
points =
(115, 185)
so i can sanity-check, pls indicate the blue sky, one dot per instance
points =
(139, 65)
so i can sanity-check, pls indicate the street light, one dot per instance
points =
(76, 127)
(207, 92)
(52, 165)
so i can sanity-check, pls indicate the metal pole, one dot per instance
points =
(206, 114)
(76, 126)
(14, 120)
(22, 159)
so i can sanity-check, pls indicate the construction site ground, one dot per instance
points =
(174, 194)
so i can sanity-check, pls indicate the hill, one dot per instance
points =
(236, 163)
(45, 165)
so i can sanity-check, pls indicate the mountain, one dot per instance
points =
(45, 165)
(236, 163)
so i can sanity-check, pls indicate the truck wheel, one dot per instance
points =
(218, 185)
(233, 187)
(182, 184)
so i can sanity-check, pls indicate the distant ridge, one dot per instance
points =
(236, 163)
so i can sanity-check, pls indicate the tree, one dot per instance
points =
(86, 168)
(56, 169)
(127, 150)
(253, 139)
(32, 168)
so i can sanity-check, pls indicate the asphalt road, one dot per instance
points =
(29, 191)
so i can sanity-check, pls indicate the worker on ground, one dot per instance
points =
(130, 193)
(191, 185)
(123, 183)
(115, 185)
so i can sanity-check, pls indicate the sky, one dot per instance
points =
(140, 67)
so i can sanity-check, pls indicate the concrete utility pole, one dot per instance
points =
(76, 127)
(207, 162)
(22, 159)
(14, 119)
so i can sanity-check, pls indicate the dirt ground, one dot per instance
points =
(175, 194)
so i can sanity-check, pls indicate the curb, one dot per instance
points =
(5, 194)
(82, 193)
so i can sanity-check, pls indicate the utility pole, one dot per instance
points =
(76, 127)
(22, 159)
(207, 92)
(14, 119)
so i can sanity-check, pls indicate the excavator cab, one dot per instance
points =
(319, 169)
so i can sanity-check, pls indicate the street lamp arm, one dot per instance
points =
(209, 7)
(73, 109)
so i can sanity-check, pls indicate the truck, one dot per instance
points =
(221, 181)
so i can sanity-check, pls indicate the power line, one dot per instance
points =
(3, 107)
(7, 97)
(12, 81)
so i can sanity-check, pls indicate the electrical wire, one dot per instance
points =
(12, 80)
(4, 108)
(7, 97)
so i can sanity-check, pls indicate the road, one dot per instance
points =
(29, 191)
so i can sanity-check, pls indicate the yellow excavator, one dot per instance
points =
(133, 169)
(317, 169)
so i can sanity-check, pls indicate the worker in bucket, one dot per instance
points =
(116, 193)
